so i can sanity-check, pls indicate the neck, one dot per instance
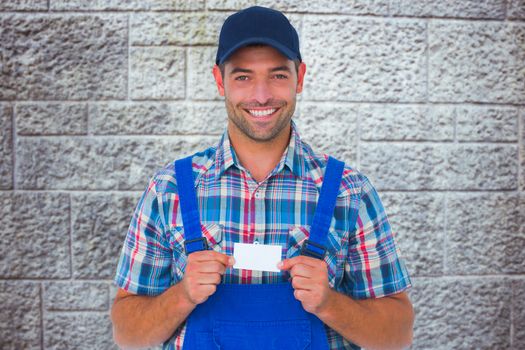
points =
(258, 157)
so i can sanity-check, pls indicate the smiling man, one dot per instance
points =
(340, 283)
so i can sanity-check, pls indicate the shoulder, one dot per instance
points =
(164, 180)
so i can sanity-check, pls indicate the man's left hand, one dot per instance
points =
(310, 281)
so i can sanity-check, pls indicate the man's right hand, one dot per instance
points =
(204, 270)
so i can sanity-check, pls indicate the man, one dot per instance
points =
(341, 284)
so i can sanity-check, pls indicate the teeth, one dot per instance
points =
(262, 113)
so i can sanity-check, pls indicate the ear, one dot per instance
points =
(300, 77)
(218, 79)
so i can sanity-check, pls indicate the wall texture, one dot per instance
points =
(426, 97)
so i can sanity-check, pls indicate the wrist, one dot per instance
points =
(183, 303)
(326, 310)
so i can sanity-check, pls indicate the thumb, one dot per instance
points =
(283, 265)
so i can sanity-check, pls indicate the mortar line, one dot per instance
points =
(337, 14)
(521, 135)
(41, 296)
(358, 126)
(512, 315)
(445, 233)
(306, 100)
(88, 119)
(70, 237)
(13, 144)
(427, 60)
(128, 88)
(186, 73)
(60, 280)
(125, 137)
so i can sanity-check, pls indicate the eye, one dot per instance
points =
(241, 78)
(281, 76)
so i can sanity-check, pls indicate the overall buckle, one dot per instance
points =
(313, 253)
(203, 241)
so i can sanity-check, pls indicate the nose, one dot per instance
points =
(262, 93)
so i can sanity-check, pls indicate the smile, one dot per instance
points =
(262, 112)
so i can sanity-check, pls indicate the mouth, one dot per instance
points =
(260, 113)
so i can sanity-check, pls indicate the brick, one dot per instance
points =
(145, 118)
(406, 123)
(476, 62)
(447, 167)
(51, 119)
(98, 163)
(455, 313)
(404, 166)
(360, 59)
(516, 9)
(484, 167)
(462, 9)
(6, 146)
(487, 124)
(100, 223)
(361, 7)
(76, 296)
(176, 28)
(330, 129)
(78, 331)
(35, 238)
(483, 234)
(518, 307)
(63, 57)
(201, 84)
(157, 73)
(125, 5)
(23, 5)
(418, 222)
(141, 118)
(20, 316)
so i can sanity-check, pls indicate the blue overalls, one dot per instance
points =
(255, 316)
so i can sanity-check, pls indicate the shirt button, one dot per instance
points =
(257, 194)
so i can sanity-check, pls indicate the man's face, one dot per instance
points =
(260, 87)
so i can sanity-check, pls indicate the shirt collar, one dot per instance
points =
(293, 157)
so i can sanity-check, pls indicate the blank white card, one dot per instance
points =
(259, 257)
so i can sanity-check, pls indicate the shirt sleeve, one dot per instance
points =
(374, 268)
(145, 261)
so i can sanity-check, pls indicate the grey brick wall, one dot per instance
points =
(426, 97)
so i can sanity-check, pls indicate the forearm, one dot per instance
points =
(383, 323)
(142, 321)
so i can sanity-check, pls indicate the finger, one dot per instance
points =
(287, 264)
(211, 255)
(299, 294)
(208, 278)
(211, 267)
(301, 283)
(302, 270)
(209, 289)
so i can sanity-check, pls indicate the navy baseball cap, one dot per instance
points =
(258, 25)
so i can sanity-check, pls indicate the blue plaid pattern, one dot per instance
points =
(362, 257)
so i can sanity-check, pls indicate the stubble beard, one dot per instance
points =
(235, 116)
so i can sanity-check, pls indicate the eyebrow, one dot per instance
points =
(275, 69)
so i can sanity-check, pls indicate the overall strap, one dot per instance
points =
(193, 239)
(315, 245)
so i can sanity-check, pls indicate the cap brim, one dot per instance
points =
(265, 41)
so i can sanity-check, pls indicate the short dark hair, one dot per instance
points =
(296, 62)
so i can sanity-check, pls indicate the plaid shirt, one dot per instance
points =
(362, 257)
